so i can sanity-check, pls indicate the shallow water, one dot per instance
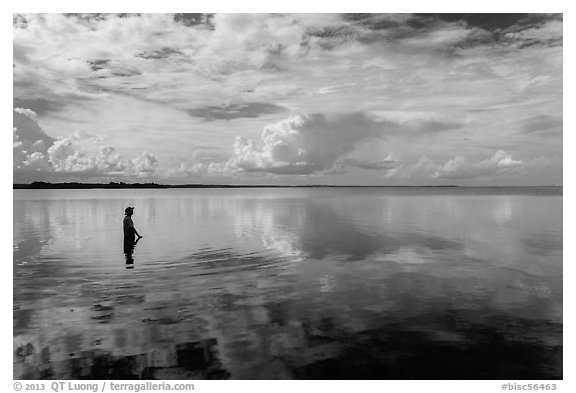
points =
(329, 283)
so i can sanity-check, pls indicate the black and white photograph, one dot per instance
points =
(288, 196)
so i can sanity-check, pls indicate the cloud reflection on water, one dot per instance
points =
(314, 285)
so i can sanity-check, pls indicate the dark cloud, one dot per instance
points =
(39, 105)
(128, 15)
(391, 26)
(421, 22)
(334, 36)
(98, 17)
(500, 22)
(160, 54)
(485, 28)
(542, 123)
(506, 29)
(374, 28)
(126, 72)
(373, 21)
(30, 146)
(111, 69)
(19, 20)
(27, 94)
(98, 64)
(28, 131)
(89, 17)
(194, 19)
(235, 111)
(433, 126)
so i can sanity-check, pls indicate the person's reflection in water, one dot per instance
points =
(130, 240)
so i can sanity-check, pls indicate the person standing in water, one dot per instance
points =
(129, 237)
(129, 229)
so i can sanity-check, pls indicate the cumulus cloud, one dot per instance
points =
(501, 162)
(309, 144)
(36, 152)
(186, 170)
(65, 158)
(304, 144)
(458, 168)
(27, 112)
(28, 139)
(146, 163)
(37, 162)
(200, 163)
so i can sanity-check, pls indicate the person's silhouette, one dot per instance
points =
(130, 240)
(129, 230)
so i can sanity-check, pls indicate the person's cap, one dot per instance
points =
(128, 209)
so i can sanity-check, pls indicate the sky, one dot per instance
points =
(289, 99)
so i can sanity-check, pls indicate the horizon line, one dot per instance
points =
(48, 185)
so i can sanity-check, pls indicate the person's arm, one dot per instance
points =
(134, 229)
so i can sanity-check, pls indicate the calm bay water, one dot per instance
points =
(330, 283)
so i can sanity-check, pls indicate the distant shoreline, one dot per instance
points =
(112, 185)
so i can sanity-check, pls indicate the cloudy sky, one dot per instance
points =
(374, 99)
